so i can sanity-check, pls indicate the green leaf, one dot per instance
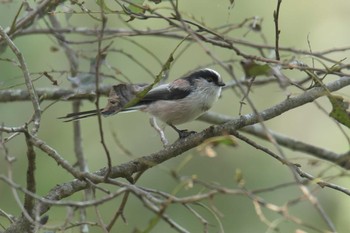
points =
(135, 6)
(252, 69)
(339, 110)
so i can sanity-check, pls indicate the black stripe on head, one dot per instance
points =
(208, 74)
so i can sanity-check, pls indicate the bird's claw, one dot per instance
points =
(185, 133)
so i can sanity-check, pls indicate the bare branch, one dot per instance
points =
(31, 183)
(53, 93)
(276, 14)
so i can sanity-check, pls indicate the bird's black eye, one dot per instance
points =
(209, 79)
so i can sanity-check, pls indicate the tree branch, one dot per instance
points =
(53, 93)
(342, 160)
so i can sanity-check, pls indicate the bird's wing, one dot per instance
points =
(165, 92)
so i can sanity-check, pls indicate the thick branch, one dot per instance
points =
(31, 184)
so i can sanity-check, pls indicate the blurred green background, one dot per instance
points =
(325, 23)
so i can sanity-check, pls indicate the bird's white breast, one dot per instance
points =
(183, 110)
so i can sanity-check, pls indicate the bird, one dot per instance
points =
(174, 103)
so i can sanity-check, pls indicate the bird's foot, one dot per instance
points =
(185, 133)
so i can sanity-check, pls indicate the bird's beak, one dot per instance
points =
(221, 84)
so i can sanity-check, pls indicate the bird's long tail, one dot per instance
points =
(79, 115)
(119, 96)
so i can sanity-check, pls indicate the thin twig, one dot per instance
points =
(97, 83)
(276, 14)
(200, 217)
(120, 211)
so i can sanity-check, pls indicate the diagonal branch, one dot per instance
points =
(126, 170)
(291, 143)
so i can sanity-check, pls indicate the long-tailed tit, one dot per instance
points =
(180, 101)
